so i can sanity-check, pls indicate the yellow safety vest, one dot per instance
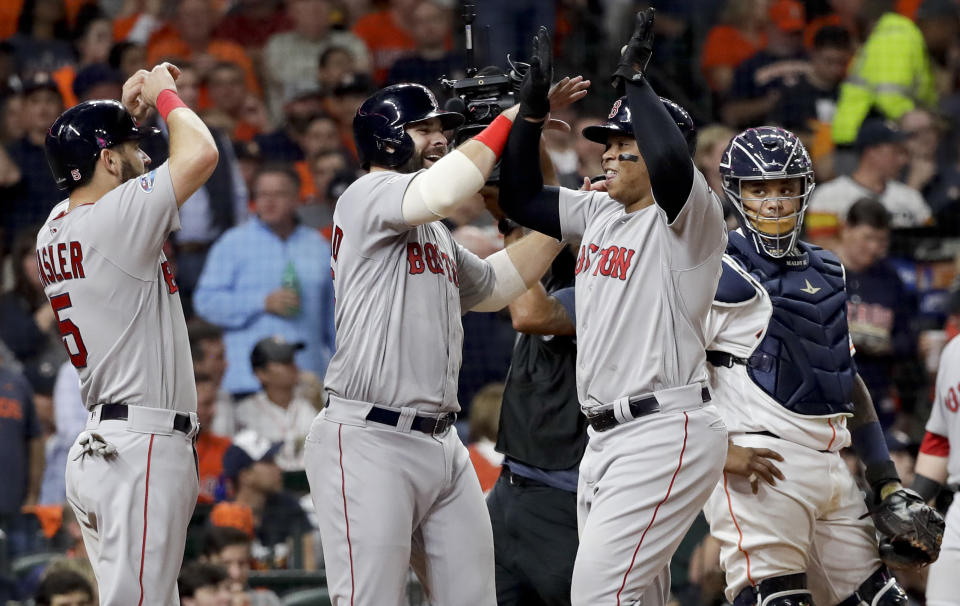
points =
(891, 72)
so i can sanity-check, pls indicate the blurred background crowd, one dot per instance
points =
(871, 86)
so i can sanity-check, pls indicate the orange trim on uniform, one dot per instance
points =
(146, 495)
(343, 491)
(745, 553)
(686, 421)
(830, 423)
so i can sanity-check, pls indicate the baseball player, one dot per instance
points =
(783, 375)
(937, 465)
(391, 483)
(131, 476)
(648, 267)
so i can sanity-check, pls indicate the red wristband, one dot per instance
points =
(495, 135)
(167, 101)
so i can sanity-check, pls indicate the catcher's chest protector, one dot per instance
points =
(806, 362)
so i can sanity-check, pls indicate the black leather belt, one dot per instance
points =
(640, 406)
(118, 412)
(514, 479)
(435, 426)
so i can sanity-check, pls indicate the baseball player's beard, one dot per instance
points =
(127, 171)
(412, 165)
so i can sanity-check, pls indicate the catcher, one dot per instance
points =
(788, 513)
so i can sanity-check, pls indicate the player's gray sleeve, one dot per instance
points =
(370, 212)
(476, 278)
(937, 423)
(130, 223)
(577, 208)
(699, 230)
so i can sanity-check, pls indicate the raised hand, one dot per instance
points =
(567, 92)
(635, 56)
(131, 98)
(160, 78)
(534, 89)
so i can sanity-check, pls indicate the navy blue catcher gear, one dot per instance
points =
(379, 126)
(74, 141)
(760, 154)
(618, 123)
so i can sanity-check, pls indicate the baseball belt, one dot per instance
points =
(118, 412)
(640, 406)
(435, 426)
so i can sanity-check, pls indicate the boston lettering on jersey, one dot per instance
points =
(60, 262)
(429, 257)
(612, 262)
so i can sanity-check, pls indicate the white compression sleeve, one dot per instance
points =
(507, 286)
(436, 192)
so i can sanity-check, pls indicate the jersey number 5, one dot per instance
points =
(67, 327)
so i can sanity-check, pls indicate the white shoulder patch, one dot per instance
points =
(146, 181)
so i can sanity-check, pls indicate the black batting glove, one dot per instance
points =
(536, 82)
(636, 54)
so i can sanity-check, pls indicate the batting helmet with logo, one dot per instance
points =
(74, 141)
(379, 124)
(618, 123)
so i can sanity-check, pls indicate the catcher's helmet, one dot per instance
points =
(618, 123)
(378, 127)
(758, 154)
(77, 136)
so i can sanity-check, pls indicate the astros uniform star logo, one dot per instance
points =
(810, 289)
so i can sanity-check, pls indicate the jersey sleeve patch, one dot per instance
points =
(147, 180)
(733, 287)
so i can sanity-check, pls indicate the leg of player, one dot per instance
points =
(366, 544)
(134, 507)
(635, 504)
(769, 535)
(454, 540)
(786, 590)
(844, 562)
(942, 580)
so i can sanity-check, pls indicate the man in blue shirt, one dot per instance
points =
(269, 276)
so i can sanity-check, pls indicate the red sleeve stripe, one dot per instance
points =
(935, 444)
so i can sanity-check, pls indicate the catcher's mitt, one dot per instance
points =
(910, 530)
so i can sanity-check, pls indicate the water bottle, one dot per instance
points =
(291, 282)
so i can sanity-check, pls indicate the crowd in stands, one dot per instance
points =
(872, 87)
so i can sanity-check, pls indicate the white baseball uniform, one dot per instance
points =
(808, 523)
(387, 496)
(942, 584)
(643, 287)
(122, 323)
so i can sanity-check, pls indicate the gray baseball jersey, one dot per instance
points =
(644, 287)
(115, 296)
(400, 292)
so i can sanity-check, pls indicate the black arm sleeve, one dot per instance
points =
(523, 197)
(662, 146)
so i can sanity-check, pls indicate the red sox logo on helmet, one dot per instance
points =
(75, 174)
(615, 109)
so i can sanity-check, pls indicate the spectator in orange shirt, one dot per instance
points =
(484, 421)
(321, 172)
(227, 94)
(321, 135)
(387, 35)
(192, 40)
(92, 39)
(210, 447)
(740, 34)
(40, 44)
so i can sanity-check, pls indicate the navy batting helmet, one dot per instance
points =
(379, 124)
(759, 154)
(618, 123)
(74, 141)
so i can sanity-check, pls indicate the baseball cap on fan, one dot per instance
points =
(788, 15)
(246, 449)
(273, 349)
